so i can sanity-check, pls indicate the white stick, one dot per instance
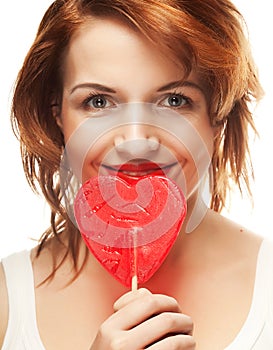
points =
(134, 284)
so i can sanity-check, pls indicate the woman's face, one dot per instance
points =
(126, 109)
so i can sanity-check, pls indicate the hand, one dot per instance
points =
(143, 320)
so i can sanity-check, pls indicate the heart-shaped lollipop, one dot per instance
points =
(130, 227)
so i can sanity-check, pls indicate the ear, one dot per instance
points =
(56, 113)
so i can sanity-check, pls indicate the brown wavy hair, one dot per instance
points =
(203, 35)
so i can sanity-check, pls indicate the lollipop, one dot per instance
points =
(130, 226)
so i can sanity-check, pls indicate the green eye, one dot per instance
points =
(176, 100)
(95, 102)
(98, 102)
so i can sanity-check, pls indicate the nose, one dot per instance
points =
(136, 141)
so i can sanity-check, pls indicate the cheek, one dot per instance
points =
(85, 148)
(70, 119)
(198, 149)
(195, 141)
(208, 139)
(93, 158)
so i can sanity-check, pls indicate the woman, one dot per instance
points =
(191, 61)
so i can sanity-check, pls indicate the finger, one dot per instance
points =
(159, 327)
(142, 308)
(178, 341)
(129, 297)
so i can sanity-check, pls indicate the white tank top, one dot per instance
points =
(22, 332)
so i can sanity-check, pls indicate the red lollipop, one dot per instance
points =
(130, 227)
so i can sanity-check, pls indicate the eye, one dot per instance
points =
(97, 102)
(175, 100)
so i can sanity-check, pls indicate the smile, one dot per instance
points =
(137, 169)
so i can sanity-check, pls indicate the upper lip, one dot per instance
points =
(139, 168)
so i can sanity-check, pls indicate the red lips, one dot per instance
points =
(133, 170)
(140, 167)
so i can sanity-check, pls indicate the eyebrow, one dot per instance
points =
(95, 86)
(169, 86)
(180, 83)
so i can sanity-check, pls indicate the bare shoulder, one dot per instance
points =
(3, 305)
(53, 257)
(233, 236)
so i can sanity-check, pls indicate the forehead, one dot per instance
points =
(109, 47)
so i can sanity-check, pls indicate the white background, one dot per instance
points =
(24, 215)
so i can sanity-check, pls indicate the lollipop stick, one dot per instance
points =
(134, 283)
